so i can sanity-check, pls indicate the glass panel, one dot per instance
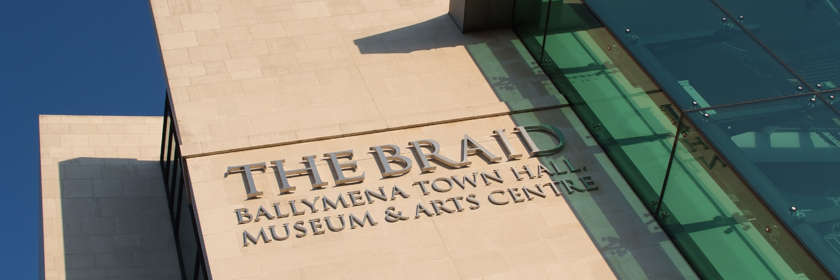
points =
(787, 150)
(622, 108)
(529, 19)
(802, 33)
(694, 54)
(833, 99)
(186, 236)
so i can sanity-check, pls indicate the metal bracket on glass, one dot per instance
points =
(724, 23)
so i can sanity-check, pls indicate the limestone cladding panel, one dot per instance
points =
(566, 236)
(105, 214)
(292, 71)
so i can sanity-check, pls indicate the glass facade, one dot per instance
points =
(178, 193)
(701, 56)
(708, 109)
(798, 34)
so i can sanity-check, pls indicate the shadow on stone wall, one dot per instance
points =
(436, 33)
(115, 220)
(516, 79)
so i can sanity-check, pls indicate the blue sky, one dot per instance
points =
(91, 57)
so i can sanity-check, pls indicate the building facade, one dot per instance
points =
(344, 139)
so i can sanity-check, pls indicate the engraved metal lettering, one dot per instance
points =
(433, 154)
(510, 153)
(274, 234)
(249, 179)
(242, 216)
(354, 222)
(310, 170)
(338, 168)
(529, 142)
(471, 147)
(493, 200)
(385, 161)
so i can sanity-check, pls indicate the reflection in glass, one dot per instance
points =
(720, 225)
(803, 34)
(833, 99)
(788, 150)
(696, 53)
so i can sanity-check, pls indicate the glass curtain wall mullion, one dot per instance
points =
(545, 33)
(532, 29)
(668, 169)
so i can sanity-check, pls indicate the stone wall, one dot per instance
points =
(104, 205)
(261, 73)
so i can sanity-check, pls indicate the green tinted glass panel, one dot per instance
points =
(625, 111)
(529, 19)
(787, 150)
